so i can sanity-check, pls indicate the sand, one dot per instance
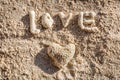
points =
(23, 55)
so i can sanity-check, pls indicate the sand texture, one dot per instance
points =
(23, 55)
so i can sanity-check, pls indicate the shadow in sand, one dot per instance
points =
(26, 22)
(58, 23)
(43, 61)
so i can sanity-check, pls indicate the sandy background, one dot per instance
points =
(23, 56)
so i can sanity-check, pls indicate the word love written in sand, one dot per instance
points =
(86, 21)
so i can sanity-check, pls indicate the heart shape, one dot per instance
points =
(61, 55)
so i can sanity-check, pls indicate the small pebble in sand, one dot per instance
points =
(65, 19)
(47, 21)
(87, 19)
(61, 55)
(33, 28)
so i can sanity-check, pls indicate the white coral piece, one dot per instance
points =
(33, 28)
(82, 22)
(47, 21)
(61, 55)
(65, 19)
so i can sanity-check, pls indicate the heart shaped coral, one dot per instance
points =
(61, 55)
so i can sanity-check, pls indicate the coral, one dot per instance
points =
(65, 19)
(61, 55)
(47, 21)
(82, 22)
(33, 28)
